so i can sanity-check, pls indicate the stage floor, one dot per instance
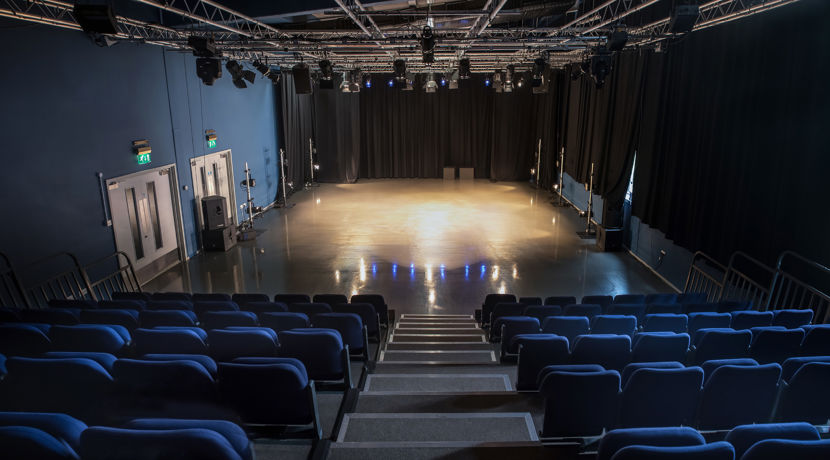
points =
(426, 245)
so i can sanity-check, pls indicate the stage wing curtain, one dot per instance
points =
(337, 124)
(297, 115)
(736, 154)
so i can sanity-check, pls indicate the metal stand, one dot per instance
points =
(285, 203)
(246, 230)
(538, 161)
(558, 187)
(590, 231)
(311, 165)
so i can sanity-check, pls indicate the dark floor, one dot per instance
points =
(426, 245)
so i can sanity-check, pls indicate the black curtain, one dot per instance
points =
(337, 125)
(297, 115)
(735, 153)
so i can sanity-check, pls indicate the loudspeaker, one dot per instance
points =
(683, 17)
(609, 239)
(302, 79)
(214, 212)
(220, 239)
(95, 16)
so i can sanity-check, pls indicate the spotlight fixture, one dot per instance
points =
(576, 70)
(239, 75)
(430, 86)
(428, 45)
(601, 64)
(266, 71)
(443, 81)
(203, 46)
(367, 80)
(508, 78)
(521, 81)
(391, 83)
(464, 69)
(487, 81)
(683, 16)
(326, 81)
(356, 78)
(346, 83)
(540, 67)
(498, 85)
(617, 39)
(208, 70)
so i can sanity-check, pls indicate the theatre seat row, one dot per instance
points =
(584, 400)
(56, 436)
(745, 442)
(536, 351)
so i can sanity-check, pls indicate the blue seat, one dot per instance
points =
(83, 390)
(531, 301)
(490, 301)
(122, 317)
(244, 299)
(54, 316)
(747, 319)
(223, 319)
(773, 449)
(279, 322)
(601, 300)
(147, 341)
(632, 367)
(23, 340)
(631, 309)
(615, 440)
(745, 436)
(774, 346)
(614, 324)
(3, 370)
(721, 344)
(566, 368)
(129, 305)
(272, 391)
(156, 304)
(587, 310)
(72, 303)
(537, 351)
(710, 366)
(62, 427)
(196, 330)
(699, 321)
(713, 451)
(664, 308)
(804, 397)
(288, 299)
(310, 309)
(659, 346)
(512, 326)
(150, 382)
(792, 365)
(728, 306)
(120, 443)
(567, 326)
(210, 297)
(704, 307)
(610, 351)
(154, 318)
(791, 318)
(661, 397)
(692, 297)
(503, 309)
(378, 302)
(561, 300)
(87, 337)
(816, 341)
(662, 298)
(232, 432)
(630, 298)
(579, 403)
(175, 296)
(106, 360)
(264, 307)
(350, 327)
(227, 344)
(367, 314)
(206, 361)
(541, 312)
(22, 442)
(737, 395)
(202, 307)
(320, 350)
(330, 299)
(666, 322)
(139, 296)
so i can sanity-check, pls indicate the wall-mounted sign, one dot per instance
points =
(142, 151)
(143, 158)
(210, 136)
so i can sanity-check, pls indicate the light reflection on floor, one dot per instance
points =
(425, 244)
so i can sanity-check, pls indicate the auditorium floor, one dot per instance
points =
(426, 245)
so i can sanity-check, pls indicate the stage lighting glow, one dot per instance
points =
(429, 272)
(391, 83)
(432, 296)
(318, 201)
(443, 81)
(394, 270)
(337, 275)
(495, 275)
(430, 86)
(515, 272)
(487, 82)
(502, 288)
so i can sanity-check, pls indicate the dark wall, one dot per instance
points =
(71, 109)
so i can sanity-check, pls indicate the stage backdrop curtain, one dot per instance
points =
(337, 124)
(736, 154)
(297, 115)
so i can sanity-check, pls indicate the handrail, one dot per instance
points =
(72, 283)
(123, 279)
(12, 293)
(788, 290)
(739, 285)
(699, 280)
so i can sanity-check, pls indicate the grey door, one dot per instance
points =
(213, 175)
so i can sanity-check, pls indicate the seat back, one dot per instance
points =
(703, 307)
(123, 304)
(122, 317)
(140, 381)
(288, 299)
(630, 299)
(204, 360)
(512, 326)
(569, 327)
(377, 301)
(804, 397)
(228, 344)
(614, 324)
(579, 403)
(587, 310)
(205, 306)
(153, 318)
(661, 397)
(183, 296)
(699, 321)
(662, 298)
(210, 297)
(156, 304)
(671, 308)
(735, 395)
(792, 319)
(631, 309)
(816, 341)
(264, 307)
(721, 344)
(537, 351)
(366, 311)
(140, 296)
(223, 319)
(30, 442)
(773, 346)
(310, 309)
(106, 443)
(146, 341)
(629, 370)
(503, 309)
(660, 346)
(747, 319)
(243, 299)
(666, 322)
(23, 340)
(691, 297)
(541, 312)
(745, 436)
(785, 448)
(54, 316)
(87, 337)
(560, 300)
(279, 322)
(320, 350)
(615, 440)
(349, 325)
(710, 366)
(792, 365)
(601, 300)
(330, 299)
(712, 451)
(490, 301)
(229, 430)
(62, 427)
(530, 300)
(612, 352)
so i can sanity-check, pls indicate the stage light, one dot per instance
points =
(391, 83)
(617, 39)
(326, 81)
(400, 70)
(443, 81)
(203, 47)
(464, 69)
(487, 82)
(539, 68)
(683, 16)
(346, 84)
(430, 86)
(521, 81)
(498, 85)
(367, 80)
(601, 64)
(428, 45)
(239, 75)
(266, 71)
(208, 70)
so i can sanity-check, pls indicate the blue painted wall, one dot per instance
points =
(70, 109)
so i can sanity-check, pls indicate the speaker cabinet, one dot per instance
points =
(302, 79)
(214, 212)
(609, 239)
(220, 239)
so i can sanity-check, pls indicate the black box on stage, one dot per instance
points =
(214, 212)
(220, 239)
(609, 239)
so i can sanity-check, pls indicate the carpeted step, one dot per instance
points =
(439, 346)
(433, 317)
(444, 451)
(493, 401)
(437, 338)
(436, 325)
(407, 383)
(444, 368)
(437, 427)
(443, 331)
(433, 356)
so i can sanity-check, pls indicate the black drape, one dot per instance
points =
(298, 127)
(736, 153)
(337, 125)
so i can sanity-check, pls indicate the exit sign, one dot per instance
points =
(143, 158)
(211, 143)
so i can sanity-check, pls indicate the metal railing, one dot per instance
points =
(11, 290)
(705, 276)
(747, 280)
(118, 275)
(787, 290)
(70, 282)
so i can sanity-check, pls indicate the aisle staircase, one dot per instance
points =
(438, 391)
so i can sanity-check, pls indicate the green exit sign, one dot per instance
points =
(212, 143)
(144, 158)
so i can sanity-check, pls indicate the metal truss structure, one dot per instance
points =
(371, 47)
